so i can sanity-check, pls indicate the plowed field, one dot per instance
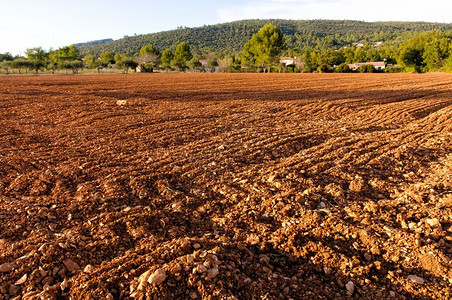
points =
(233, 186)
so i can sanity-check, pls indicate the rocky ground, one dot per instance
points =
(233, 186)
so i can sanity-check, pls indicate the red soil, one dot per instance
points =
(234, 186)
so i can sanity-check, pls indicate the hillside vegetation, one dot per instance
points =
(229, 38)
(257, 46)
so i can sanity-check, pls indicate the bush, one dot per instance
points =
(20, 64)
(234, 69)
(393, 70)
(307, 69)
(74, 65)
(366, 69)
(6, 65)
(324, 68)
(343, 68)
(125, 64)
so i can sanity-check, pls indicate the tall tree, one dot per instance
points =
(36, 54)
(411, 51)
(167, 57)
(6, 56)
(119, 58)
(149, 49)
(148, 58)
(265, 47)
(148, 61)
(448, 61)
(67, 58)
(182, 55)
(248, 55)
(107, 58)
(309, 61)
(65, 53)
(92, 62)
(436, 53)
(38, 57)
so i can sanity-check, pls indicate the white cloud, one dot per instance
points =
(383, 10)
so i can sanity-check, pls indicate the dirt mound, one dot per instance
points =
(232, 186)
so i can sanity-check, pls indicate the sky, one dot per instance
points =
(55, 23)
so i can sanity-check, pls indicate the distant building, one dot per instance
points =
(287, 60)
(378, 65)
(204, 63)
(360, 45)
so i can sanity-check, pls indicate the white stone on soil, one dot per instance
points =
(433, 222)
(416, 279)
(6, 267)
(158, 277)
(21, 280)
(350, 286)
(212, 273)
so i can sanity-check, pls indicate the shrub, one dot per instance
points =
(367, 69)
(343, 68)
(324, 68)
(393, 70)
(74, 65)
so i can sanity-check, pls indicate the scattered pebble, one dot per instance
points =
(286, 290)
(201, 269)
(350, 286)
(13, 290)
(357, 184)
(158, 277)
(418, 243)
(416, 279)
(21, 280)
(6, 267)
(176, 269)
(212, 273)
(434, 223)
(64, 285)
(143, 279)
(71, 265)
(211, 236)
(88, 269)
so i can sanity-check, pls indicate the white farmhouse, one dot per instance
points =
(378, 65)
(287, 60)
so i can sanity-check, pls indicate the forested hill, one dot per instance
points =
(229, 38)
(92, 43)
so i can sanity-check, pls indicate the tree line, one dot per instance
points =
(228, 39)
(37, 59)
(422, 52)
